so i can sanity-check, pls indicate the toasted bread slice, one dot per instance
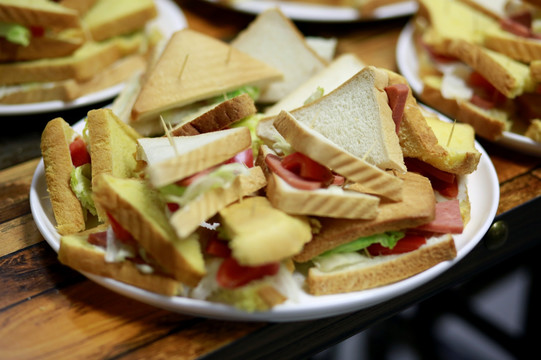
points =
(137, 207)
(168, 163)
(416, 208)
(69, 90)
(376, 271)
(194, 67)
(219, 117)
(188, 218)
(55, 148)
(270, 235)
(105, 19)
(112, 145)
(275, 39)
(86, 62)
(314, 145)
(356, 117)
(76, 252)
(81, 6)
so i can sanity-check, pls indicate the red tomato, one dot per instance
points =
(79, 153)
(173, 207)
(37, 31)
(446, 189)
(307, 168)
(406, 244)
(275, 164)
(232, 275)
(120, 232)
(218, 248)
(190, 179)
(98, 238)
(245, 157)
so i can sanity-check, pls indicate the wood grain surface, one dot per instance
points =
(49, 311)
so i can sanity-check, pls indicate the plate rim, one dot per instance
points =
(300, 11)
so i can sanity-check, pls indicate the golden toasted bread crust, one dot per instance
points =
(416, 208)
(382, 272)
(219, 117)
(138, 208)
(67, 210)
(80, 255)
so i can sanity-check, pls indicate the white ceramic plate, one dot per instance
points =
(170, 19)
(484, 197)
(408, 64)
(320, 13)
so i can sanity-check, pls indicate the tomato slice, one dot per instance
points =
(446, 189)
(408, 243)
(275, 164)
(232, 275)
(307, 168)
(37, 31)
(245, 157)
(190, 179)
(79, 153)
(218, 248)
(120, 232)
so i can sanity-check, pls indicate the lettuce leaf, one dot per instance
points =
(15, 33)
(387, 239)
(81, 185)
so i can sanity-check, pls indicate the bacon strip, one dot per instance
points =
(398, 94)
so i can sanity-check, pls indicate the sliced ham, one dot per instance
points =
(448, 219)
(398, 94)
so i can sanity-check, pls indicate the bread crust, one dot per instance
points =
(137, 207)
(67, 209)
(416, 208)
(188, 218)
(219, 117)
(383, 272)
(373, 179)
(80, 255)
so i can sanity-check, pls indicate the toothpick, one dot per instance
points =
(168, 134)
(229, 52)
(451, 133)
(369, 151)
(183, 66)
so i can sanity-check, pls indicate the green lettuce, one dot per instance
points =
(15, 33)
(81, 185)
(386, 239)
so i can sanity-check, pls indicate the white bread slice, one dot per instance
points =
(81, 6)
(416, 208)
(76, 252)
(107, 19)
(67, 209)
(190, 154)
(187, 218)
(137, 207)
(274, 39)
(333, 203)
(112, 145)
(356, 117)
(259, 234)
(337, 72)
(376, 271)
(314, 145)
(194, 66)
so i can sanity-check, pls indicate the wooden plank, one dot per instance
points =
(91, 322)
(518, 191)
(30, 272)
(18, 234)
(15, 185)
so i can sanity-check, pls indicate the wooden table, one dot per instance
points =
(49, 311)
